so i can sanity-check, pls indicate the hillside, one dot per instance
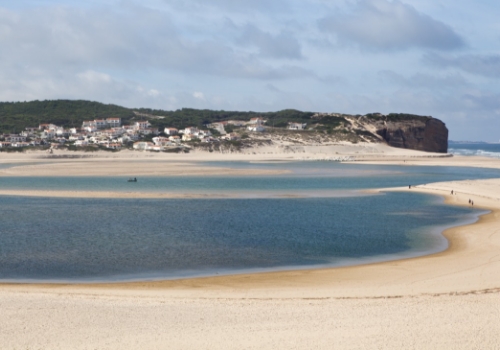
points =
(398, 130)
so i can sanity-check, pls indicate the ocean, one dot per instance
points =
(103, 240)
(474, 149)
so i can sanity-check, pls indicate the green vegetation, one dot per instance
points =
(15, 116)
(186, 117)
(394, 116)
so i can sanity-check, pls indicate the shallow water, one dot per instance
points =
(304, 176)
(115, 239)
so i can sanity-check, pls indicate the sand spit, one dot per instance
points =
(441, 301)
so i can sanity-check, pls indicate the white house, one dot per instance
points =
(20, 144)
(15, 138)
(114, 146)
(75, 137)
(237, 122)
(143, 124)
(296, 126)
(36, 142)
(202, 133)
(81, 143)
(101, 123)
(256, 128)
(161, 141)
(188, 137)
(256, 121)
(143, 145)
(175, 139)
(231, 137)
(47, 127)
(171, 131)
(190, 130)
(124, 139)
(114, 122)
(61, 132)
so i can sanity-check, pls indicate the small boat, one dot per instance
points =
(132, 180)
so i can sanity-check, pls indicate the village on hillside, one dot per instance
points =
(110, 134)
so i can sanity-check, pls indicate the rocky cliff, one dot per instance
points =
(423, 134)
(397, 130)
(407, 131)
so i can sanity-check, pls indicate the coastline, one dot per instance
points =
(391, 278)
(451, 296)
(479, 190)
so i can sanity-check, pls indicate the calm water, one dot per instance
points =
(304, 176)
(111, 239)
(60, 239)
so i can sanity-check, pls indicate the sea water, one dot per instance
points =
(475, 149)
(69, 239)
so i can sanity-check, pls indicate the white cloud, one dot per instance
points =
(199, 95)
(282, 45)
(94, 77)
(154, 93)
(386, 25)
(232, 5)
(427, 81)
(484, 65)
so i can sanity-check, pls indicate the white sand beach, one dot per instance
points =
(449, 300)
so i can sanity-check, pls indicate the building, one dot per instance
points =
(161, 141)
(171, 131)
(231, 137)
(143, 145)
(175, 139)
(15, 138)
(256, 121)
(100, 123)
(189, 137)
(114, 122)
(191, 130)
(296, 126)
(141, 125)
(256, 128)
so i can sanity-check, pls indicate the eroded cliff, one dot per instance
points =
(406, 131)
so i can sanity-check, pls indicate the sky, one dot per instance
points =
(439, 58)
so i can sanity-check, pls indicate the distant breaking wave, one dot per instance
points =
(483, 150)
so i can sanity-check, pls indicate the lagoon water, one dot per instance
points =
(70, 239)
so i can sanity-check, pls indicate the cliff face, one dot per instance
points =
(423, 134)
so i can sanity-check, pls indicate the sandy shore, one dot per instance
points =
(446, 300)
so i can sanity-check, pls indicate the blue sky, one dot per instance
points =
(438, 58)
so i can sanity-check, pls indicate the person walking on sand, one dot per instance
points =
(451, 191)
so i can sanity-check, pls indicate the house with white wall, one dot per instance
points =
(171, 131)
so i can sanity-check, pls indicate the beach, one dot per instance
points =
(446, 300)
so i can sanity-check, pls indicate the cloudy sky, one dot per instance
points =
(428, 57)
